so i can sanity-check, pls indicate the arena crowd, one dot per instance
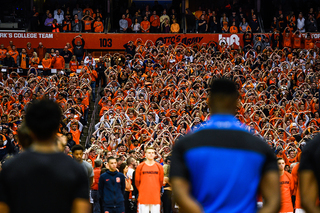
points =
(156, 93)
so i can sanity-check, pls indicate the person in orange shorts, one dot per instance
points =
(287, 187)
(149, 179)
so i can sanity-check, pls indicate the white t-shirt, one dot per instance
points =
(130, 172)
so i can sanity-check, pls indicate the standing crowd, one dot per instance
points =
(154, 95)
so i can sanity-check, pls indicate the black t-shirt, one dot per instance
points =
(36, 182)
(310, 158)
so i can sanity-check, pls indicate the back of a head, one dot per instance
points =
(43, 119)
(223, 96)
(223, 86)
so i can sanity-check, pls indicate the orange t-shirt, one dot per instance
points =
(145, 25)
(2, 53)
(35, 62)
(73, 65)
(58, 62)
(76, 135)
(286, 187)
(233, 29)
(14, 55)
(87, 25)
(149, 180)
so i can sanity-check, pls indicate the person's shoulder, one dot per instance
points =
(140, 165)
(86, 164)
(288, 174)
(313, 144)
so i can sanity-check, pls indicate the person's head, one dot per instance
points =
(77, 152)
(131, 162)
(123, 168)
(145, 18)
(154, 12)
(292, 153)
(112, 163)
(123, 16)
(75, 17)
(150, 153)
(98, 163)
(49, 15)
(57, 52)
(281, 164)
(43, 119)
(223, 97)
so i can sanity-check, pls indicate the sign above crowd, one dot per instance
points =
(114, 41)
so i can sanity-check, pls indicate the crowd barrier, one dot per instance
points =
(115, 41)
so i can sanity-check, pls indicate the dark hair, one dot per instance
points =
(25, 140)
(130, 160)
(122, 167)
(110, 158)
(77, 147)
(43, 118)
(223, 86)
(119, 159)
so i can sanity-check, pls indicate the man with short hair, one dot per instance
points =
(123, 23)
(77, 153)
(112, 188)
(51, 181)
(78, 49)
(67, 55)
(198, 187)
(149, 177)
(58, 61)
(131, 162)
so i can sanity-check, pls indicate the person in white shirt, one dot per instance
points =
(89, 60)
(59, 17)
(301, 23)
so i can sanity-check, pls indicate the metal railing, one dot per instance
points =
(93, 117)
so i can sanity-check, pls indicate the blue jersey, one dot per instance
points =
(224, 163)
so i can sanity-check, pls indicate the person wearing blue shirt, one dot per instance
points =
(220, 166)
(112, 188)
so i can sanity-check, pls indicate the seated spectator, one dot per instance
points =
(311, 24)
(129, 30)
(165, 26)
(87, 22)
(76, 24)
(164, 16)
(154, 22)
(175, 28)
(48, 23)
(225, 24)
(145, 25)
(55, 26)
(98, 26)
(136, 26)
(301, 23)
(66, 26)
(233, 28)
(59, 17)
(254, 24)
(123, 23)
(243, 27)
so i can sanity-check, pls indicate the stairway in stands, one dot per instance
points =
(93, 118)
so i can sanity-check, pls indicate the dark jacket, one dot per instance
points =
(78, 50)
(66, 55)
(9, 62)
(111, 189)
